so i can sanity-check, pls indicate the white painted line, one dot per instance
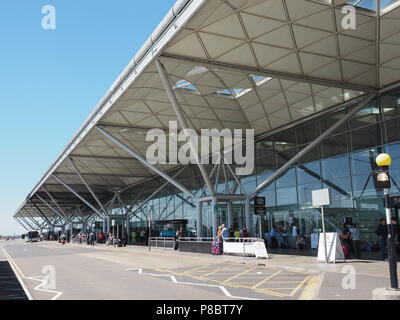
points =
(18, 273)
(43, 282)
(174, 280)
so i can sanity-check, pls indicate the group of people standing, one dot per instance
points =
(291, 238)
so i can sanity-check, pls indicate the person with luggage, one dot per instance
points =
(216, 248)
(381, 233)
(345, 240)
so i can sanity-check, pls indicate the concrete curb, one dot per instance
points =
(385, 294)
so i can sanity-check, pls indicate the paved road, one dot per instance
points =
(82, 272)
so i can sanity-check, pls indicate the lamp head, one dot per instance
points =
(383, 160)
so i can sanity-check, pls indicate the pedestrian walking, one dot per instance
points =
(355, 238)
(381, 233)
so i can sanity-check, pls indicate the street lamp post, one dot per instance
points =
(383, 182)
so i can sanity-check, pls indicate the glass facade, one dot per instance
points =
(343, 163)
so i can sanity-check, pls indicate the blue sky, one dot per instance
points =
(51, 80)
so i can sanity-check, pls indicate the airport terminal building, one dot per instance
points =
(323, 101)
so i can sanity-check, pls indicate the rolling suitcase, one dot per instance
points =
(215, 249)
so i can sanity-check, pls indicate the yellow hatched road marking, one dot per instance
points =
(215, 271)
(197, 268)
(310, 289)
(238, 275)
(266, 279)
(299, 286)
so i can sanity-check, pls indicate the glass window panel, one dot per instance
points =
(264, 148)
(305, 192)
(366, 137)
(284, 156)
(310, 156)
(392, 129)
(395, 179)
(364, 161)
(284, 140)
(269, 195)
(363, 186)
(249, 183)
(307, 133)
(335, 167)
(365, 117)
(265, 166)
(309, 172)
(394, 151)
(328, 122)
(288, 179)
(286, 196)
(390, 106)
(340, 189)
(334, 145)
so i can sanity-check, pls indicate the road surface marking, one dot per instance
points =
(299, 286)
(43, 282)
(311, 289)
(238, 275)
(266, 279)
(174, 280)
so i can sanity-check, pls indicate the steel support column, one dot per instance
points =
(183, 123)
(145, 162)
(230, 214)
(214, 204)
(78, 195)
(199, 211)
(247, 215)
(87, 185)
(57, 205)
(311, 146)
(51, 208)
(16, 219)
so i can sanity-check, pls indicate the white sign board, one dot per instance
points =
(259, 249)
(314, 240)
(320, 198)
(246, 248)
(334, 248)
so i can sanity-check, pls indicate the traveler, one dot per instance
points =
(396, 234)
(344, 236)
(244, 232)
(232, 233)
(272, 238)
(300, 241)
(294, 235)
(133, 237)
(91, 238)
(225, 233)
(381, 233)
(285, 242)
(355, 238)
(237, 236)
